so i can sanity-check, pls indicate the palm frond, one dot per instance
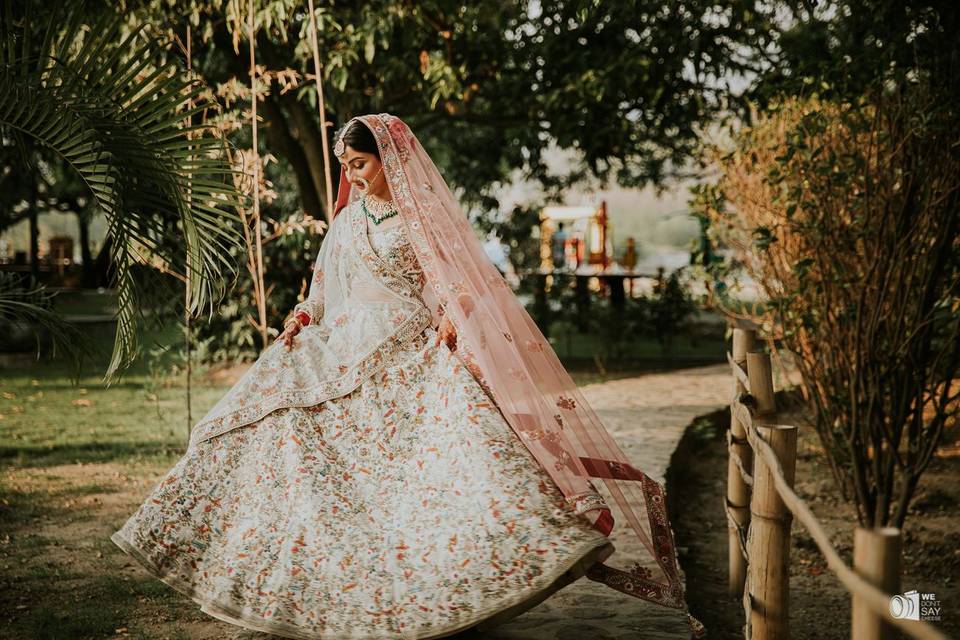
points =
(114, 111)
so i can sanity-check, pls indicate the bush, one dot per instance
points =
(847, 216)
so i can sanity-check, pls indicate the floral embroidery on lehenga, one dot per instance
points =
(305, 376)
(404, 508)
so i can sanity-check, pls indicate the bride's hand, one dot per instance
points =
(447, 333)
(290, 330)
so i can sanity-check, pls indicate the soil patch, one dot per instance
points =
(61, 575)
(820, 605)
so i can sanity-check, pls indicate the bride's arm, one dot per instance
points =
(311, 309)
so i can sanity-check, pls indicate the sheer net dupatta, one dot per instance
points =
(505, 351)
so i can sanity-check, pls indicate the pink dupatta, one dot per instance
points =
(507, 354)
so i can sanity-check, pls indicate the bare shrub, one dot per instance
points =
(846, 217)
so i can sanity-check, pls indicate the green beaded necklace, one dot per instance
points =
(373, 218)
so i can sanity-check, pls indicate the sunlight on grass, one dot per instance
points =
(49, 422)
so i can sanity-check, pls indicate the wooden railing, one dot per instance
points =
(761, 505)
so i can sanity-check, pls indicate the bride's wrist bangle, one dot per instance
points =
(303, 318)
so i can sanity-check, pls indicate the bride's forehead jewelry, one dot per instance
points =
(340, 147)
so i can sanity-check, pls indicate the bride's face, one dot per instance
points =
(365, 167)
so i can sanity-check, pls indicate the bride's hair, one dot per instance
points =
(358, 136)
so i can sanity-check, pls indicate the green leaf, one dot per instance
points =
(369, 48)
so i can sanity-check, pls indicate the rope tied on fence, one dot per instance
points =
(872, 597)
(733, 525)
(739, 372)
(737, 460)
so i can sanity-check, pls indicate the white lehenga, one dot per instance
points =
(404, 508)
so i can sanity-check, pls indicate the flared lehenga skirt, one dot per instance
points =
(406, 508)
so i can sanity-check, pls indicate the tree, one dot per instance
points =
(846, 49)
(487, 86)
(847, 217)
(842, 206)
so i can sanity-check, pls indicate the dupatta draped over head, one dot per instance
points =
(497, 341)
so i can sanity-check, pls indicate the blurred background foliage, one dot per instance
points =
(632, 92)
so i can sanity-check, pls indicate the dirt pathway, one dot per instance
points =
(647, 417)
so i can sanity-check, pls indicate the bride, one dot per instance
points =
(409, 459)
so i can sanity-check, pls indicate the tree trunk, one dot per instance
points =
(101, 265)
(278, 128)
(88, 279)
(34, 234)
(305, 130)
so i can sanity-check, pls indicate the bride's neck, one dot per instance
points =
(383, 197)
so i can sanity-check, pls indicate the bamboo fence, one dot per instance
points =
(761, 506)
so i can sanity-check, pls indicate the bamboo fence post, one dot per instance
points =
(322, 106)
(258, 276)
(760, 375)
(768, 543)
(876, 559)
(738, 492)
(187, 313)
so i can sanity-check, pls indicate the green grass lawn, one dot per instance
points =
(47, 419)
(75, 461)
(573, 346)
(86, 302)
